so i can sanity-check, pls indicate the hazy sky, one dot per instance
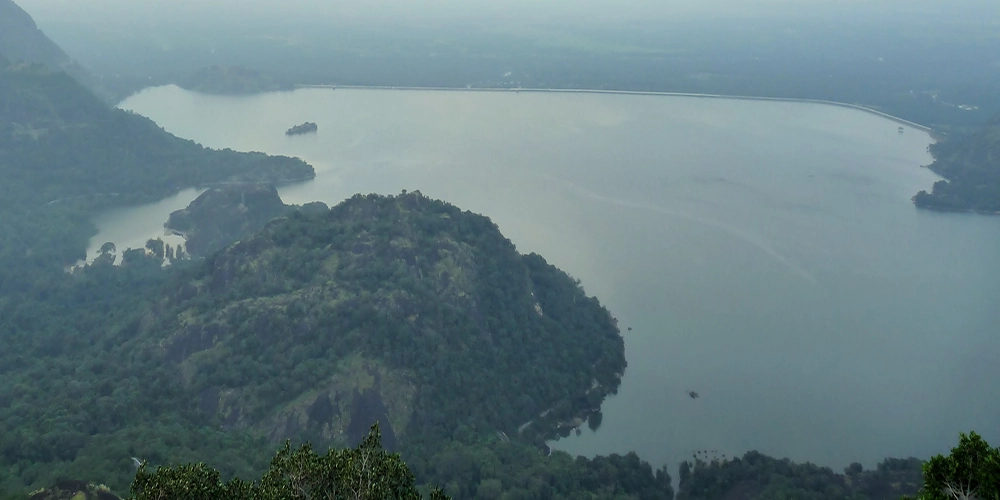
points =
(584, 12)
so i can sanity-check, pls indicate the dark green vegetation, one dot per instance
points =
(68, 489)
(971, 166)
(304, 128)
(366, 472)
(399, 309)
(369, 472)
(232, 80)
(756, 476)
(972, 470)
(222, 215)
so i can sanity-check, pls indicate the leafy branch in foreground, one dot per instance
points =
(367, 472)
(972, 471)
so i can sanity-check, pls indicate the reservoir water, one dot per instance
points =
(764, 254)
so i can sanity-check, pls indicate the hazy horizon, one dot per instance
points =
(589, 13)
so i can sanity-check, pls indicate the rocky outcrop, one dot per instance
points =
(222, 215)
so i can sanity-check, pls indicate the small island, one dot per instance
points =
(305, 128)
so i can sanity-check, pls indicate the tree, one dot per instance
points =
(972, 471)
(155, 247)
(854, 469)
(107, 248)
(367, 472)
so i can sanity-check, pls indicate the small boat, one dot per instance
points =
(693, 394)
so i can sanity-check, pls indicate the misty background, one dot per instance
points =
(937, 63)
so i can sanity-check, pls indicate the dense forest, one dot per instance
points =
(971, 168)
(758, 476)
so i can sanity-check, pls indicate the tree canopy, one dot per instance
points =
(366, 472)
(971, 471)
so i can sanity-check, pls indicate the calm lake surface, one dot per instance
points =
(765, 254)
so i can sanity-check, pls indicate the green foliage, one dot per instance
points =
(972, 169)
(504, 468)
(971, 471)
(757, 476)
(365, 472)
(67, 489)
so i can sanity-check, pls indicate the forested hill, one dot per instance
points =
(400, 309)
(22, 41)
(971, 167)
(65, 154)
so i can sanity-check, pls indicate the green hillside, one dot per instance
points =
(401, 309)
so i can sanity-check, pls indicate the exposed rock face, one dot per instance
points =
(221, 216)
(341, 410)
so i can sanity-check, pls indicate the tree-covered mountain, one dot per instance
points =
(971, 167)
(400, 309)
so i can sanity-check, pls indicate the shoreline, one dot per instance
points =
(857, 107)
